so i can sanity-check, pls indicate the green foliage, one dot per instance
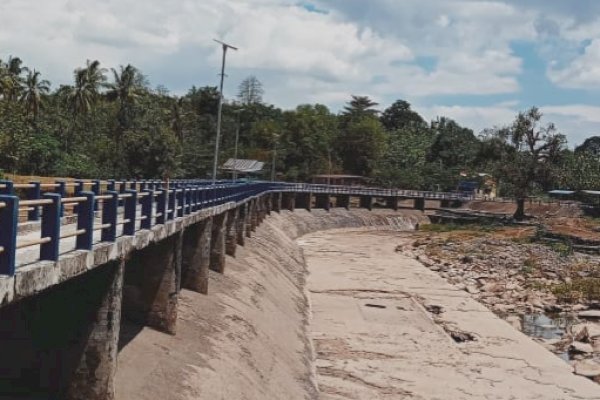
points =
(577, 290)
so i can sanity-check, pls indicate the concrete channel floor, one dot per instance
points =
(382, 325)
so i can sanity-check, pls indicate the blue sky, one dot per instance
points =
(477, 61)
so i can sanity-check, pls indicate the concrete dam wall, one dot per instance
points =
(246, 339)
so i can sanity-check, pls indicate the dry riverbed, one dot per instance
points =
(548, 292)
(386, 327)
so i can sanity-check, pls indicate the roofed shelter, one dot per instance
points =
(243, 167)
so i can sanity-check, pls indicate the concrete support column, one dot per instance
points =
(231, 232)
(241, 224)
(392, 202)
(322, 200)
(217, 243)
(152, 283)
(196, 256)
(253, 215)
(93, 378)
(304, 200)
(269, 203)
(261, 204)
(366, 202)
(277, 198)
(420, 203)
(288, 201)
(445, 203)
(342, 200)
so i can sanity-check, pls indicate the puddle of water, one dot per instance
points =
(546, 326)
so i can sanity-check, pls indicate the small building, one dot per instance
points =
(243, 168)
(346, 180)
(482, 186)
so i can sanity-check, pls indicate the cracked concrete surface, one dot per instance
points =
(374, 339)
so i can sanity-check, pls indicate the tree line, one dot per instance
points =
(111, 123)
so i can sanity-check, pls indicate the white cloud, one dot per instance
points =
(583, 72)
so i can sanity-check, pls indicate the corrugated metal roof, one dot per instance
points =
(592, 192)
(242, 165)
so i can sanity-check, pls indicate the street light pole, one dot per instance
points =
(225, 47)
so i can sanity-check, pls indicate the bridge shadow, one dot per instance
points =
(43, 337)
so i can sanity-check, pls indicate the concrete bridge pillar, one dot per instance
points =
(342, 200)
(241, 224)
(269, 197)
(445, 203)
(152, 283)
(288, 200)
(392, 202)
(366, 202)
(304, 200)
(261, 207)
(63, 342)
(254, 215)
(217, 243)
(196, 256)
(277, 198)
(420, 203)
(93, 379)
(322, 200)
(231, 232)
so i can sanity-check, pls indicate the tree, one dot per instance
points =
(11, 81)
(590, 146)
(454, 146)
(250, 91)
(84, 94)
(531, 151)
(399, 116)
(360, 106)
(34, 90)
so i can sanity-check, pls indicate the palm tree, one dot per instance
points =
(33, 92)
(125, 89)
(11, 81)
(360, 105)
(83, 96)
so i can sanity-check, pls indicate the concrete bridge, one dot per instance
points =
(74, 262)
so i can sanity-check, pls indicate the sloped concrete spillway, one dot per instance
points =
(249, 338)
(352, 320)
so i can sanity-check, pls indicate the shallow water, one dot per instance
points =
(544, 326)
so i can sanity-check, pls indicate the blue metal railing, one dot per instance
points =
(133, 205)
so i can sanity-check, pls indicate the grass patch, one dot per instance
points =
(577, 290)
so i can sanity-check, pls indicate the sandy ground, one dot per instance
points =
(382, 326)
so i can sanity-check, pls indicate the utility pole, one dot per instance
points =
(273, 164)
(237, 138)
(225, 47)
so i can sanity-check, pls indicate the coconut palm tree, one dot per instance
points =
(34, 91)
(84, 94)
(11, 81)
(125, 89)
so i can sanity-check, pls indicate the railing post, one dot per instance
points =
(77, 189)
(161, 207)
(180, 203)
(96, 191)
(8, 188)
(9, 218)
(85, 220)
(147, 209)
(172, 204)
(109, 216)
(61, 189)
(34, 193)
(187, 192)
(130, 213)
(51, 227)
(111, 186)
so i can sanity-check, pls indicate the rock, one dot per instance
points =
(515, 322)
(580, 348)
(466, 259)
(578, 307)
(492, 287)
(552, 308)
(582, 335)
(472, 289)
(590, 314)
(587, 368)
